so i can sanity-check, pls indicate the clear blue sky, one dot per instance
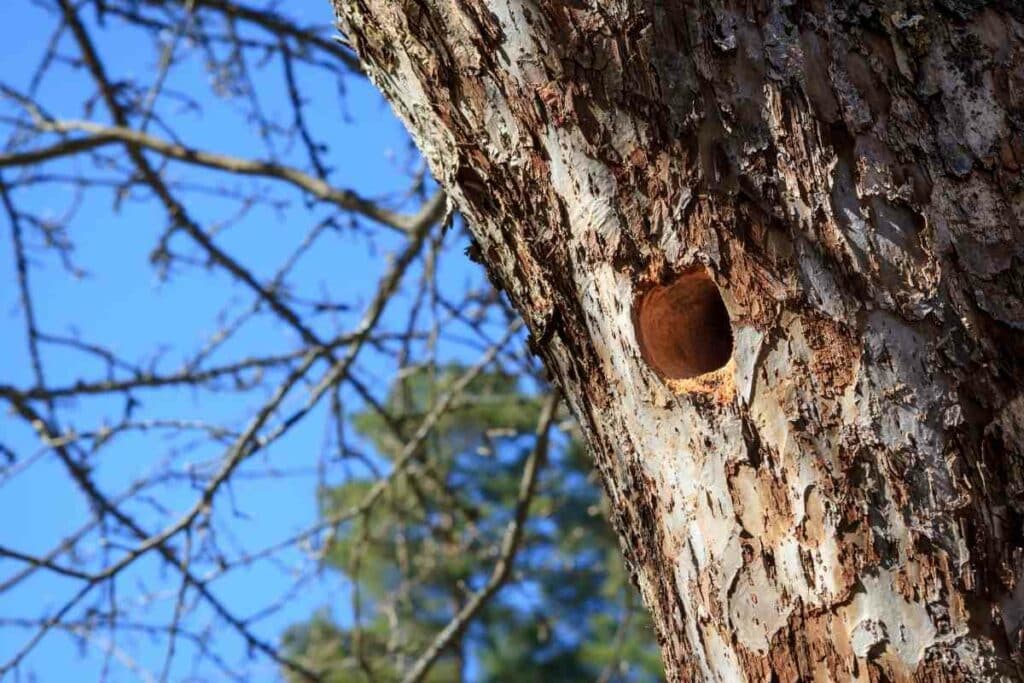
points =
(124, 305)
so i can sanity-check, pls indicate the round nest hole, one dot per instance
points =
(683, 327)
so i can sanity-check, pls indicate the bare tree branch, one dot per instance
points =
(105, 135)
(506, 554)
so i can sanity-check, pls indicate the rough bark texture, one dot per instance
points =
(843, 499)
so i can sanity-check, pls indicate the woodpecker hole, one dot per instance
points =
(683, 327)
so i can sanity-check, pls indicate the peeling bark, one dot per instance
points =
(842, 500)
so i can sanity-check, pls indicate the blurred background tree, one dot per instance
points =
(567, 613)
(261, 416)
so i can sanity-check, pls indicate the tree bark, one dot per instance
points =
(823, 479)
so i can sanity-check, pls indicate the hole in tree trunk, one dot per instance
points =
(683, 327)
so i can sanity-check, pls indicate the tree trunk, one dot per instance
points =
(821, 479)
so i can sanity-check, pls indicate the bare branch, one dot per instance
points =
(104, 135)
(506, 554)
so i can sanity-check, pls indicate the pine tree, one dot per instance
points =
(568, 613)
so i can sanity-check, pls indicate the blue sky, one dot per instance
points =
(124, 304)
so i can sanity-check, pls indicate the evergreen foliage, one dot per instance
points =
(568, 613)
